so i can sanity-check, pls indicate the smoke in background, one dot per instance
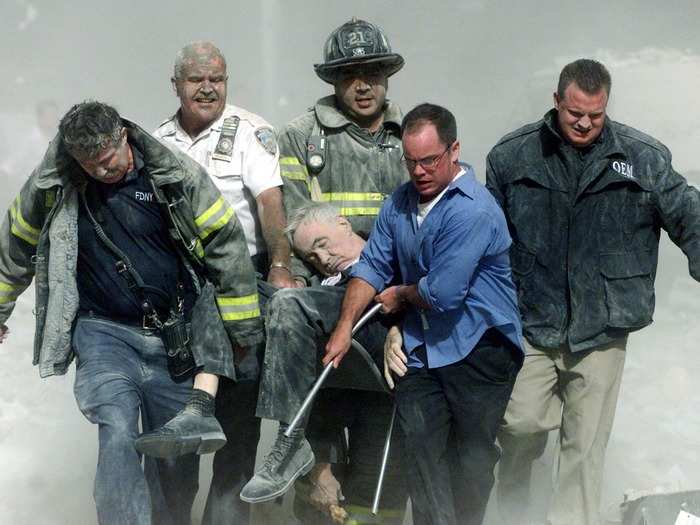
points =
(495, 64)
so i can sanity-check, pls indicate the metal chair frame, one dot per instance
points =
(308, 401)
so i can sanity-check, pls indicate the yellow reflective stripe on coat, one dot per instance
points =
(9, 292)
(355, 203)
(214, 218)
(291, 168)
(238, 308)
(20, 227)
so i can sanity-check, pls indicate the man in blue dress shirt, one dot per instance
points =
(445, 239)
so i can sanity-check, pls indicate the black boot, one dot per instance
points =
(193, 430)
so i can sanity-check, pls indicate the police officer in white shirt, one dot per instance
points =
(239, 151)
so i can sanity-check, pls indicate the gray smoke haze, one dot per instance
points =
(495, 64)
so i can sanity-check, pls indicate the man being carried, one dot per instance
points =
(298, 322)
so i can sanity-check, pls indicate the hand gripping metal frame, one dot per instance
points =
(308, 401)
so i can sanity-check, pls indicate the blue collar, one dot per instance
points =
(466, 183)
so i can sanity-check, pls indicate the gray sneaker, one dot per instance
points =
(289, 458)
(186, 433)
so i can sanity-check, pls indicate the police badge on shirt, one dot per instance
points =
(266, 138)
(224, 148)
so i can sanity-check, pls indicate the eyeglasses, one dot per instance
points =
(427, 163)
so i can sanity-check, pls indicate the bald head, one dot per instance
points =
(196, 53)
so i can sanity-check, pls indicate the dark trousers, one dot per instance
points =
(234, 464)
(449, 417)
(122, 374)
(356, 458)
(298, 322)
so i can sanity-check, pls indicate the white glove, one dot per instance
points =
(394, 358)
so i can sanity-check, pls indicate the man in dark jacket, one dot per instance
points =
(104, 180)
(585, 199)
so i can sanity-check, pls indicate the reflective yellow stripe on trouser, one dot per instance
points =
(355, 203)
(238, 308)
(20, 227)
(9, 292)
(291, 168)
(214, 218)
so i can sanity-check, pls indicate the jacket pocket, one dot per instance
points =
(522, 262)
(528, 279)
(629, 288)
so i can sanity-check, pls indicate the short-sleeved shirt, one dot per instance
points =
(251, 168)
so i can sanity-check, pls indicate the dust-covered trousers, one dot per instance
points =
(449, 417)
(122, 373)
(235, 409)
(575, 392)
(356, 457)
(298, 323)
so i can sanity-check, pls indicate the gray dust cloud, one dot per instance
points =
(494, 64)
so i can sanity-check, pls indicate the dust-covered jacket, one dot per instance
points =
(39, 238)
(585, 252)
(361, 169)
